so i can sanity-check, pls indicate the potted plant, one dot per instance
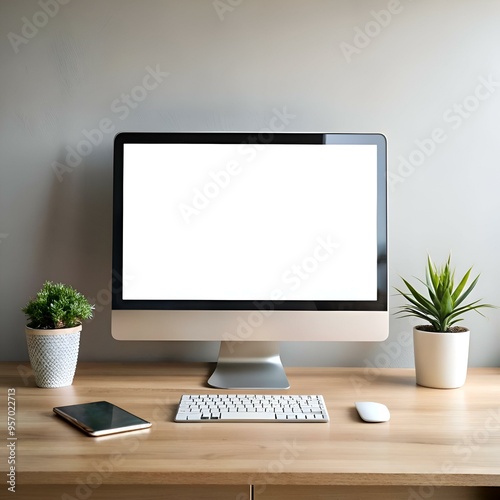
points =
(441, 348)
(55, 318)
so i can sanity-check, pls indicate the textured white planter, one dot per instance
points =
(441, 359)
(53, 355)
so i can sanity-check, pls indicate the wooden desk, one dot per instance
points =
(438, 443)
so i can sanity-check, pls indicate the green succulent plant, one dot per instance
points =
(444, 305)
(57, 306)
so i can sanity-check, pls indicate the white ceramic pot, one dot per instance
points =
(53, 355)
(441, 359)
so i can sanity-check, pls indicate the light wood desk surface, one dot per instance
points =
(437, 441)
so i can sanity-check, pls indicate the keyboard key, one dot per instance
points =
(247, 416)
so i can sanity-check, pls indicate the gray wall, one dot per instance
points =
(425, 73)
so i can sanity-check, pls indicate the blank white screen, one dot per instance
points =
(233, 222)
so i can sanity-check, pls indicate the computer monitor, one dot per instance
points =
(250, 239)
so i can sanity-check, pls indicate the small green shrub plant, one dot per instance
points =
(57, 306)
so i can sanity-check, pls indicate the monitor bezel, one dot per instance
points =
(264, 138)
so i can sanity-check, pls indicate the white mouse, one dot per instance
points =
(372, 412)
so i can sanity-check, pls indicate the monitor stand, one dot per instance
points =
(249, 365)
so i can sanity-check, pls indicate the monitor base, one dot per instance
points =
(249, 365)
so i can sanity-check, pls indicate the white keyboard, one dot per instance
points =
(251, 408)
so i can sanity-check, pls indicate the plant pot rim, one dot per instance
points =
(53, 331)
(418, 328)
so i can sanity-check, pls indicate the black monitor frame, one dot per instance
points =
(249, 138)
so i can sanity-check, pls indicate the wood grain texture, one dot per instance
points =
(131, 492)
(437, 438)
(375, 493)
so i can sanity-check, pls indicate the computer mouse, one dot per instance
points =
(372, 412)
